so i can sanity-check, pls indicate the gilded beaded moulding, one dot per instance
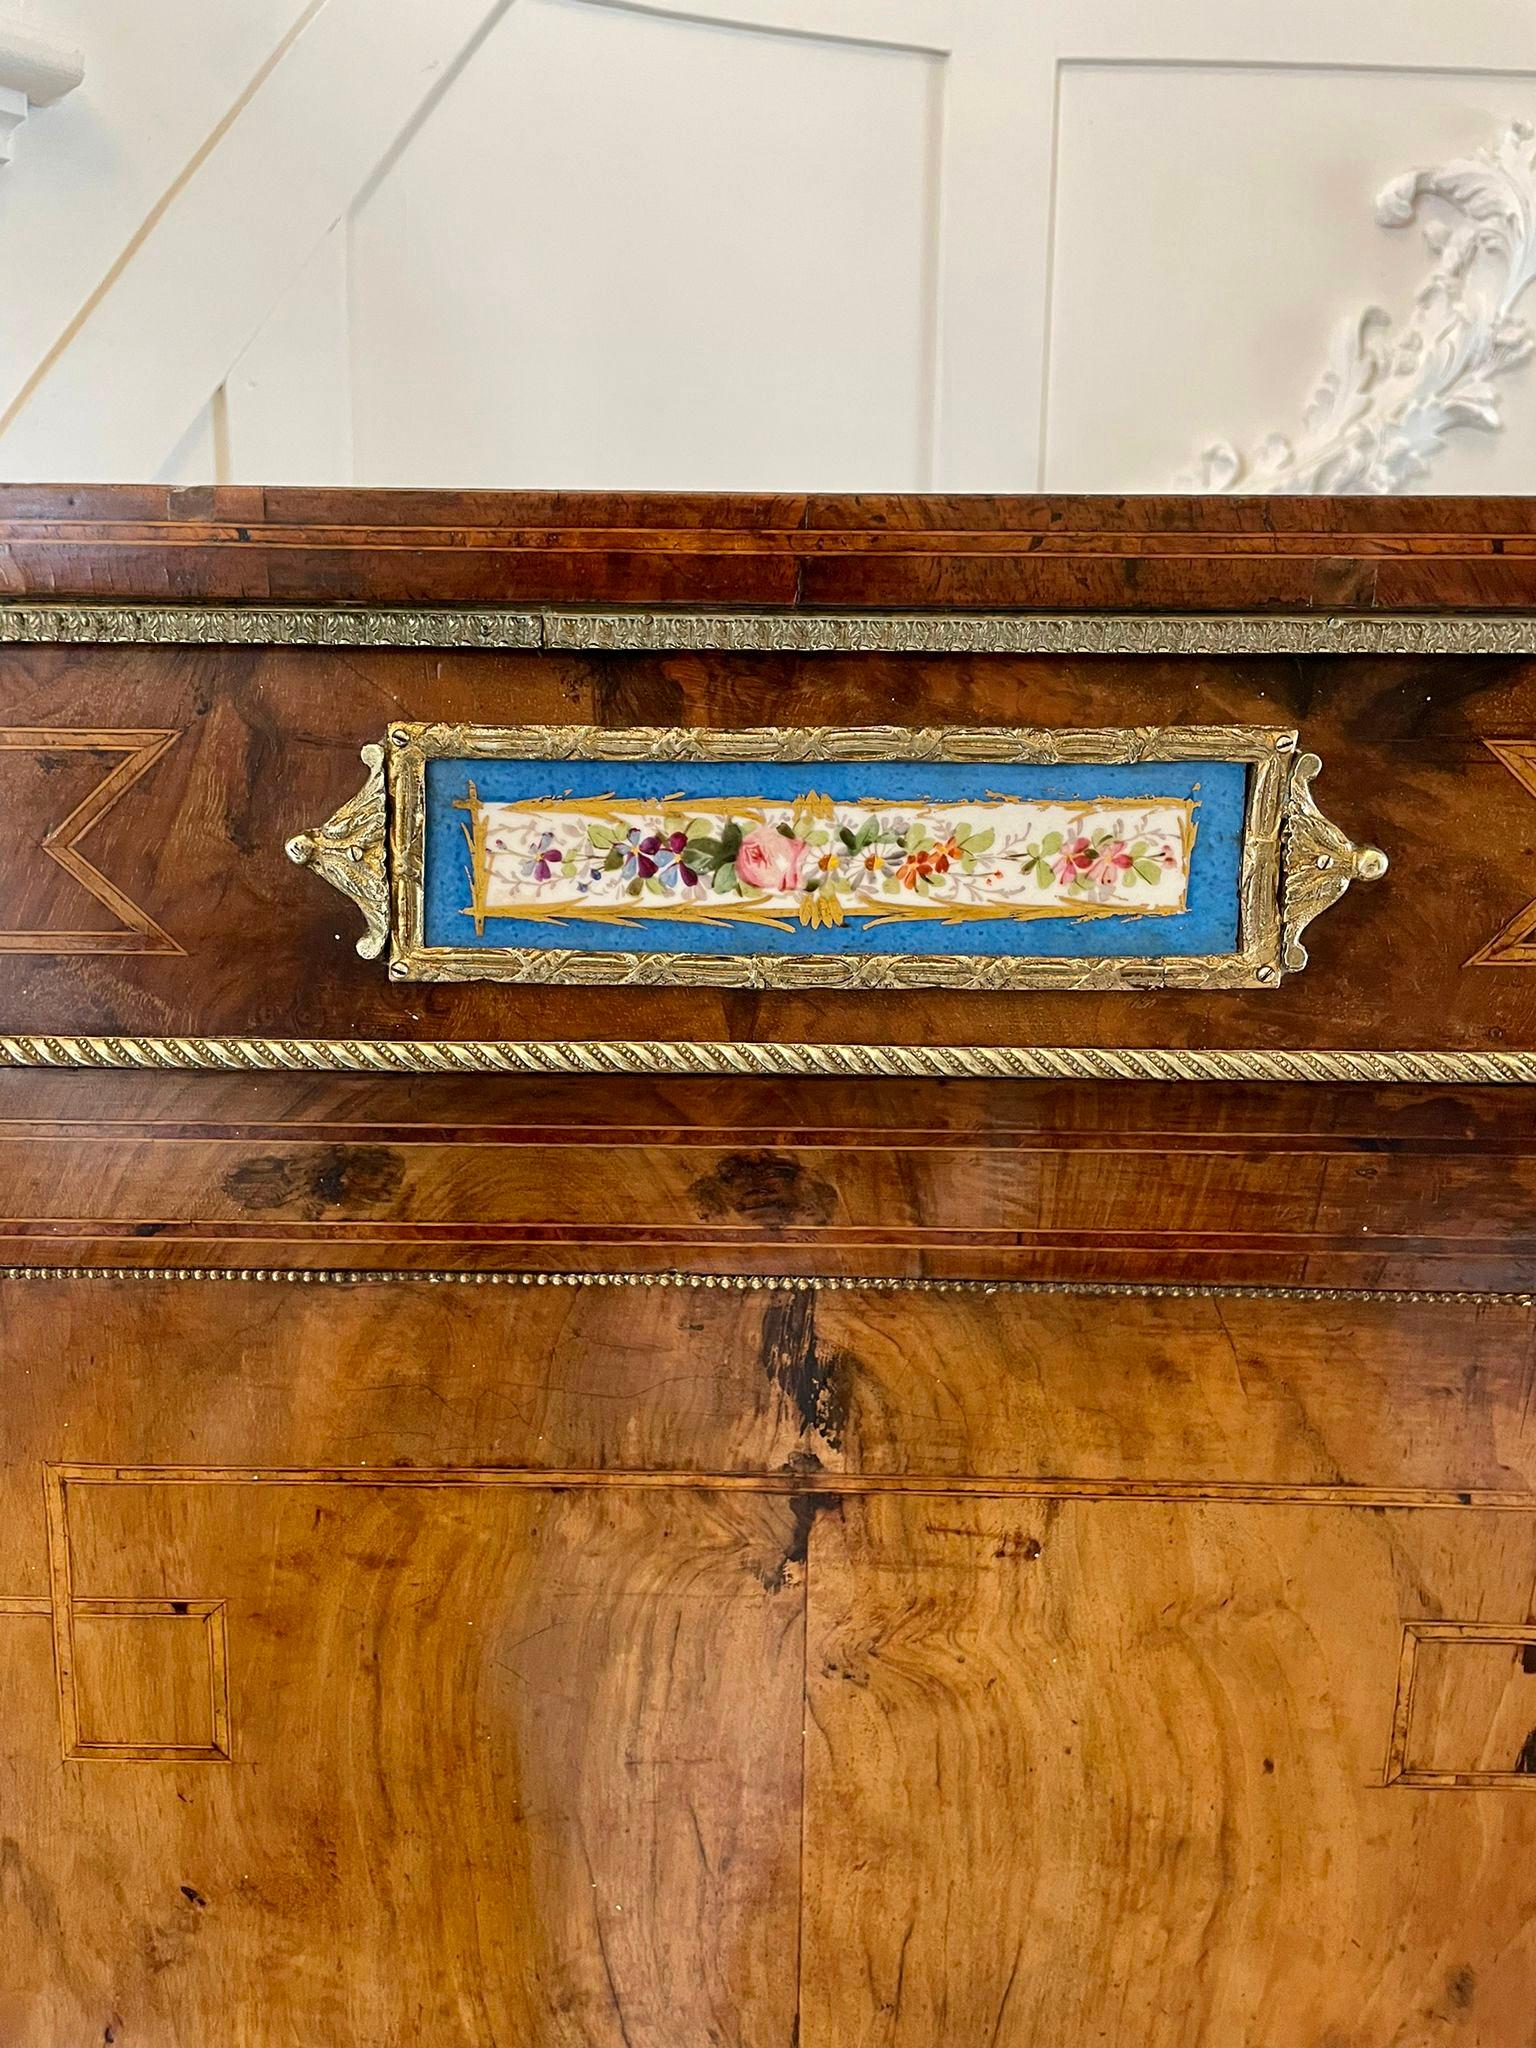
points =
(757, 1283)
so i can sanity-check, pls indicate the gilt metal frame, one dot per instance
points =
(412, 746)
(1293, 863)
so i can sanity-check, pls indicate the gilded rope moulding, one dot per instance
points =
(839, 858)
(766, 1060)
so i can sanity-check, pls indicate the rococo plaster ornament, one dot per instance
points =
(1388, 397)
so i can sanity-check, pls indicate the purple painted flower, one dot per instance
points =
(665, 853)
(542, 860)
(636, 855)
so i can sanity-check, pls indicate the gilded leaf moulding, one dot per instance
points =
(662, 630)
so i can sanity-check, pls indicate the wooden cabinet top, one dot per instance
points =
(245, 544)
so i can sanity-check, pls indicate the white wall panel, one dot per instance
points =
(861, 244)
(198, 455)
(89, 171)
(629, 249)
(287, 403)
(208, 266)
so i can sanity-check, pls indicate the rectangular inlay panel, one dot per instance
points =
(146, 1681)
(1466, 1706)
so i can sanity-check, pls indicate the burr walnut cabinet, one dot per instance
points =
(809, 1324)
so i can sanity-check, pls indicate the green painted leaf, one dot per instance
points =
(1051, 843)
(1148, 870)
(1043, 875)
(726, 879)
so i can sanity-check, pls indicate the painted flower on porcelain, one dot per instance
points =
(990, 857)
(1074, 857)
(669, 852)
(770, 859)
(542, 859)
(1112, 860)
(633, 856)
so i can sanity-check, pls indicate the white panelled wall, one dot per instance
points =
(972, 245)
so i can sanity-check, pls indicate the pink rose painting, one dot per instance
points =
(769, 859)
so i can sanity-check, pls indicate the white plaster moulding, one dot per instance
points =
(34, 72)
(1389, 396)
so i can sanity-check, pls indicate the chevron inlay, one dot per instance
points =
(140, 750)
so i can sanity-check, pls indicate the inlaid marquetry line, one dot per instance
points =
(66, 1609)
(694, 1238)
(138, 932)
(1401, 1768)
(985, 1486)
